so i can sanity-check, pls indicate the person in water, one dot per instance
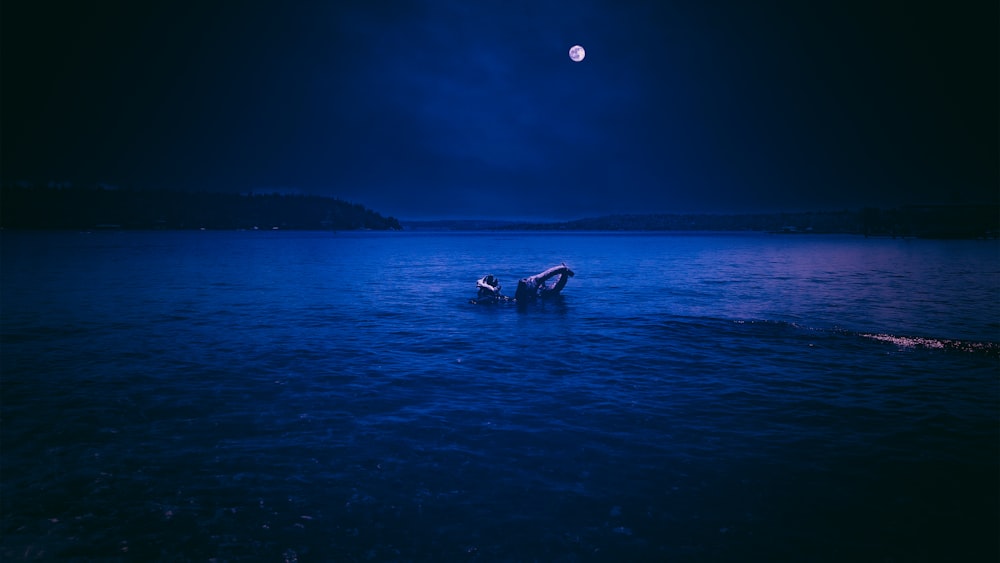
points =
(528, 289)
(488, 290)
(535, 286)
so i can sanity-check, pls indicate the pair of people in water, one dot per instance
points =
(528, 289)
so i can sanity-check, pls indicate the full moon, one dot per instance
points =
(577, 53)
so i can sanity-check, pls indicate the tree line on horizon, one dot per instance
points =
(62, 207)
(34, 207)
(926, 221)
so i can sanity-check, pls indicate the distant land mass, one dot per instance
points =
(927, 221)
(60, 207)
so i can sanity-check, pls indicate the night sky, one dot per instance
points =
(464, 109)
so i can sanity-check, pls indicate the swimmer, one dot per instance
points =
(534, 286)
(488, 288)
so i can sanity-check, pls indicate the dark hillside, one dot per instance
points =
(87, 208)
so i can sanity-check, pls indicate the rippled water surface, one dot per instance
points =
(277, 396)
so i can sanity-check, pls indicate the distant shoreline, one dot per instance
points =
(101, 208)
(926, 221)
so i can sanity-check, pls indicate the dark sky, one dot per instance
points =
(424, 109)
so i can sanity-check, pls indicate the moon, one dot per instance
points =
(577, 53)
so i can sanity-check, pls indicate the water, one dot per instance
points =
(279, 396)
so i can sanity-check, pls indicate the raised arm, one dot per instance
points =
(560, 269)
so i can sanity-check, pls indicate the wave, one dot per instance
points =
(901, 341)
(990, 348)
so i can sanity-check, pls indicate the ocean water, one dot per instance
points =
(297, 396)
